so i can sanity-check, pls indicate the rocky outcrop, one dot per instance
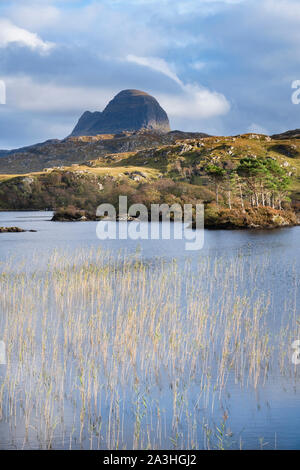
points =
(130, 110)
(70, 214)
(14, 230)
(251, 218)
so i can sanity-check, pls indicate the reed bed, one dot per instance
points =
(110, 351)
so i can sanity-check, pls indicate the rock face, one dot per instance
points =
(130, 110)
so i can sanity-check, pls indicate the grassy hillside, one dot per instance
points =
(183, 172)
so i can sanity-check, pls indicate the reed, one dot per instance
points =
(107, 350)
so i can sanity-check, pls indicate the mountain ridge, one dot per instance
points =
(72, 150)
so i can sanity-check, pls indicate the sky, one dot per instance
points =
(218, 66)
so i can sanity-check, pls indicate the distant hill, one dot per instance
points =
(129, 110)
(295, 134)
(30, 148)
(75, 170)
(57, 153)
(162, 169)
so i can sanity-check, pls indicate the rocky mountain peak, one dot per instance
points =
(129, 110)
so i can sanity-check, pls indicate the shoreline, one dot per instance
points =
(262, 218)
(215, 218)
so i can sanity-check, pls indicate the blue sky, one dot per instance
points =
(218, 66)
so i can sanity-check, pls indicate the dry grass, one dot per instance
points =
(114, 171)
(113, 352)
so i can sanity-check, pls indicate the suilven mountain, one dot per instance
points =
(129, 110)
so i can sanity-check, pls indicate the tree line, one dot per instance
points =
(258, 181)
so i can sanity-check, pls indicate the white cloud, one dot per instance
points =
(155, 63)
(192, 101)
(198, 65)
(187, 7)
(10, 33)
(257, 129)
(27, 95)
(195, 103)
(34, 16)
(203, 7)
(283, 9)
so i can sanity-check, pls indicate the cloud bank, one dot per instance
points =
(217, 66)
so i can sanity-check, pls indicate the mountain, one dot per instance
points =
(72, 150)
(129, 110)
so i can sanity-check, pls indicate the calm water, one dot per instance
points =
(283, 243)
(267, 416)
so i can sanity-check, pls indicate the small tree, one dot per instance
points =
(254, 172)
(231, 185)
(217, 176)
(278, 182)
(266, 181)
